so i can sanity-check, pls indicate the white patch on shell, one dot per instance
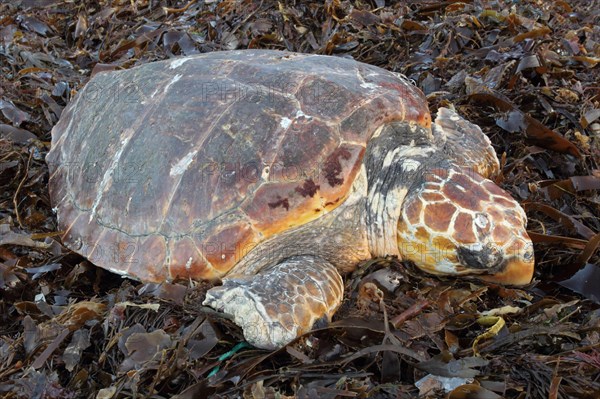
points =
(172, 82)
(369, 86)
(109, 172)
(300, 114)
(265, 173)
(178, 62)
(128, 203)
(71, 120)
(285, 122)
(188, 264)
(183, 164)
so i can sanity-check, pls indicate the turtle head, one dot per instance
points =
(459, 223)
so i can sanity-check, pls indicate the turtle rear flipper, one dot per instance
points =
(282, 302)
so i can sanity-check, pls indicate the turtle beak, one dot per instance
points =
(518, 271)
(518, 265)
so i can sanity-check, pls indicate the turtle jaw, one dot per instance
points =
(510, 264)
(517, 272)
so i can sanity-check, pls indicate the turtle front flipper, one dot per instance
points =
(282, 302)
(464, 143)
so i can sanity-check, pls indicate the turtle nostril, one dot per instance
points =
(480, 256)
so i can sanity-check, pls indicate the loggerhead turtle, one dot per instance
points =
(276, 172)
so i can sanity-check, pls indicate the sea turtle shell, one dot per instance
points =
(176, 169)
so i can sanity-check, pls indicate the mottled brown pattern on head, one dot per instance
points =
(501, 234)
(463, 229)
(437, 216)
(436, 175)
(459, 178)
(331, 292)
(432, 187)
(466, 197)
(496, 191)
(503, 201)
(518, 246)
(513, 218)
(495, 214)
(428, 262)
(421, 234)
(413, 210)
(472, 183)
(444, 246)
(431, 196)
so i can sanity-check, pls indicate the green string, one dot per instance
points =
(227, 355)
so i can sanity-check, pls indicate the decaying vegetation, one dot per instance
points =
(526, 71)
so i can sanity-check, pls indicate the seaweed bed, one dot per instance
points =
(526, 71)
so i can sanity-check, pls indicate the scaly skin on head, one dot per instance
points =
(457, 222)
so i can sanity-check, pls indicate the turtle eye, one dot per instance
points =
(528, 255)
